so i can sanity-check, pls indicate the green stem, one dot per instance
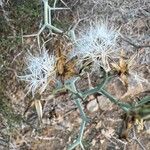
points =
(79, 140)
(45, 11)
(97, 88)
(79, 105)
(143, 101)
(123, 106)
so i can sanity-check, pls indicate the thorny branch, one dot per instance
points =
(130, 41)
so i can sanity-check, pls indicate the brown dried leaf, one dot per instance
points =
(125, 129)
(60, 66)
(116, 67)
(122, 68)
(124, 79)
(70, 69)
(123, 65)
(64, 68)
(140, 124)
(38, 107)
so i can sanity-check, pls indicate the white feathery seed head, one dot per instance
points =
(40, 70)
(97, 43)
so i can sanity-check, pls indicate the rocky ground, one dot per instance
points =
(20, 128)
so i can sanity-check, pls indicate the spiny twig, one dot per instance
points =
(130, 41)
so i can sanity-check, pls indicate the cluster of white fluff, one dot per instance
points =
(98, 44)
(40, 70)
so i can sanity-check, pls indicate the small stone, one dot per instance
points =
(93, 142)
(92, 106)
(104, 103)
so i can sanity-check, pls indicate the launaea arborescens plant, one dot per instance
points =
(97, 43)
(39, 71)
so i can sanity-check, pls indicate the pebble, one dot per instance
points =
(92, 106)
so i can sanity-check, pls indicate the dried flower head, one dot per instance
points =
(97, 44)
(39, 72)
